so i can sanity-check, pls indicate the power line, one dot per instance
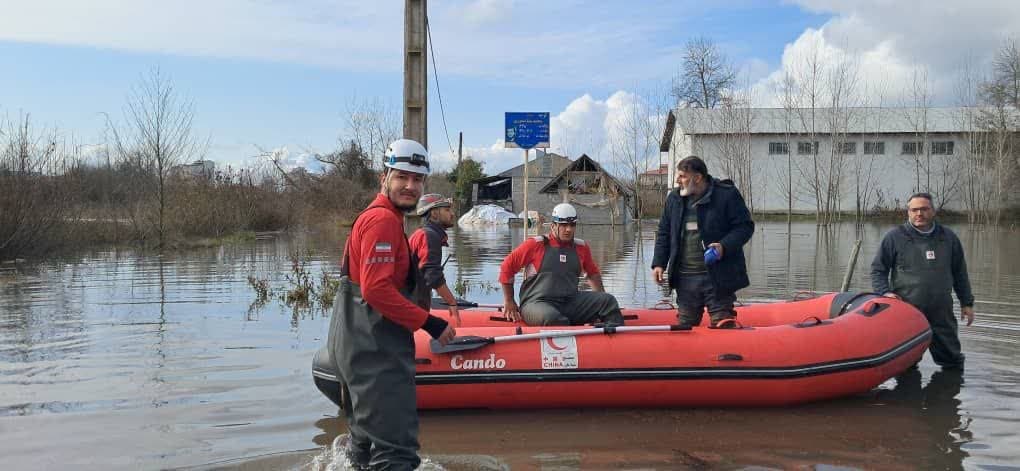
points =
(435, 72)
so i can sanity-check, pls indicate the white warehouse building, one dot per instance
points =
(859, 157)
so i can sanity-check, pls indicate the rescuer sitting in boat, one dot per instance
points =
(552, 266)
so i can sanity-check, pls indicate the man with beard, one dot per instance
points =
(427, 248)
(552, 266)
(922, 263)
(371, 333)
(699, 246)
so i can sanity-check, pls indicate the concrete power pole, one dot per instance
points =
(460, 170)
(415, 72)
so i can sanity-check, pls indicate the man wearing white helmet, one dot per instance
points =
(371, 336)
(552, 266)
(427, 244)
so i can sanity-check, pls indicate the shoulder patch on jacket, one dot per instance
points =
(579, 241)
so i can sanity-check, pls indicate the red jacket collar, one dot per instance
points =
(384, 201)
(553, 241)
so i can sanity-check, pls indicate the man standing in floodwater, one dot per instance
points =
(371, 336)
(922, 263)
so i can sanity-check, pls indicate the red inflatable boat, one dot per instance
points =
(785, 353)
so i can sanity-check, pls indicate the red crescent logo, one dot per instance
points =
(553, 344)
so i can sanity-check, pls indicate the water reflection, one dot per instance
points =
(937, 408)
(154, 362)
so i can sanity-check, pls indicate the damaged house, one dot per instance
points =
(552, 179)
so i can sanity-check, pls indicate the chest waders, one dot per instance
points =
(923, 276)
(550, 297)
(556, 280)
(375, 360)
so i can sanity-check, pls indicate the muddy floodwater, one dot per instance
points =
(124, 359)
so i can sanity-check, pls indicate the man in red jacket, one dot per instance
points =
(552, 266)
(427, 245)
(371, 333)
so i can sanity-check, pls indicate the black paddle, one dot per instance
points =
(471, 342)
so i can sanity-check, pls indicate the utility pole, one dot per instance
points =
(460, 171)
(460, 150)
(415, 72)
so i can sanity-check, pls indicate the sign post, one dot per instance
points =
(526, 131)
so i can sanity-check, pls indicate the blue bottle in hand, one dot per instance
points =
(711, 256)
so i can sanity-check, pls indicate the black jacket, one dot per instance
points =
(723, 217)
(432, 263)
(903, 266)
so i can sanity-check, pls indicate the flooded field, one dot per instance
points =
(121, 359)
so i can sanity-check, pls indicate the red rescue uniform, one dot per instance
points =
(379, 259)
(427, 248)
(532, 251)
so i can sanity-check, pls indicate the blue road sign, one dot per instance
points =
(527, 130)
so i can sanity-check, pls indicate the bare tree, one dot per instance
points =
(733, 121)
(871, 162)
(842, 90)
(975, 176)
(705, 75)
(821, 101)
(788, 92)
(156, 137)
(999, 122)
(810, 97)
(369, 126)
(38, 188)
(937, 173)
(635, 146)
(916, 113)
(1006, 71)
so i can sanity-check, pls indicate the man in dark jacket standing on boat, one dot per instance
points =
(699, 246)
(552, 266)
(371, 333)
(427, 248)
(922, 263)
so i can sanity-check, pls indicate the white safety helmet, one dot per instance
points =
(564, 213)
(407, 155)
(431, 201)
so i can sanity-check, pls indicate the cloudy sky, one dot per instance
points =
(275, 74)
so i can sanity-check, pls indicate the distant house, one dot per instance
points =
(507, 188)
(598, 196)
(655, 179)
(553, 179)
(199, 169)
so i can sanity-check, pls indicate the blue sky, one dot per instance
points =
(271, 74)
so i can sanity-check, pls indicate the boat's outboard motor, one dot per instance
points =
(848, 301)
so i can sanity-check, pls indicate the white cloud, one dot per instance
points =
(586, 126)
(482, 13)
(317, 32)
(494, 39)
(290, 161)
(891, 41)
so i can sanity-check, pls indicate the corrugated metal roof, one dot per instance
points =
(694, 121)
